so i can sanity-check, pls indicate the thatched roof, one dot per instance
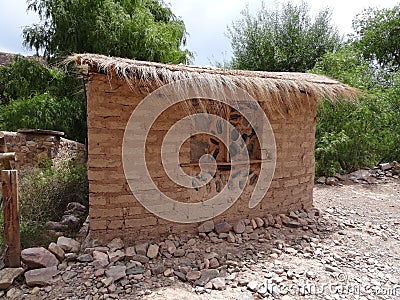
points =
(276, 88)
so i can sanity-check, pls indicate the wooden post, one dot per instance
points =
(12, 239)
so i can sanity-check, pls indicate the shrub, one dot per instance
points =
(44, 193)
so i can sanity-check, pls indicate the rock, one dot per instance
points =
(116, 272)
(68, 244)
(75, 208)
(116, 244)
(206, 276)
(57, 251)
(230, 238)
(56, 226)
(85, 258)
(130, 252)
(321, 180)
(218, 283)
(72, 222)
(385, 166)
(8, 275)
(97, 255)
(135, 271)
(68, 275)
(206, 227)
(168, 272)
(14, 293)
(180, 275)
(269, 220)
(152, 251)
(294, 224)
(70, 256)
(311, 275)
(141, 258)
(285, 219)
(214, 263)
(179, 252)
(118, 255)
(193, 275)
(259, 222)
(239, 227)
(141, 249)
(171, 248)
(41, 277)
(157, 269)
(38, 257)
(331, 181)
(252, 285)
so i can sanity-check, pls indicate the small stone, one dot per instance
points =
(206, 276)
(168, 272)
(116, 272)
(38, 257)
(41, 277)
(193, 275)
(115, 256)
(68, 244)
(152, 251)
(290, 250)
(97, 255)
(214, 263)
(157, 269)
(14, 293)
(269, 220)
(239, 227)
(8, 275)
(57, 251)
(331, 181)
(206, 227)
(223, 227)
(321, 180)
(230, 238)
(180, 275)
(141, 249)
(68, 275)
(141, 258)
(35, 290)
(130, 252)
(259, 222)
(115, 244)
(218, 283)
(252, 285)
(179, 252)
(70, 257)
(135, 271)
(385, 166)
(107, 281)
(84, 258)
(171, 248)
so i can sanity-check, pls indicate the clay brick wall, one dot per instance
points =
(32, 146)
(114, 211)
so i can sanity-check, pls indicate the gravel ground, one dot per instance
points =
(352, 251)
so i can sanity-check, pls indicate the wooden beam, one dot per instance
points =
(10, 199)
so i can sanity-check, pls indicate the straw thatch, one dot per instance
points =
(281, 91)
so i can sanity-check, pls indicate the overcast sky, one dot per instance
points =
(206, 21)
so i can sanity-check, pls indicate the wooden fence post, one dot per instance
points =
(12, 239)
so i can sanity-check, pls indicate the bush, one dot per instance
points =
(44, 193)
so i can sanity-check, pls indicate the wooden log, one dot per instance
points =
(10, 199)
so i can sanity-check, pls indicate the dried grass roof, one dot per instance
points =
(280, 90)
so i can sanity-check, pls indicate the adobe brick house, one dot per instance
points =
(116, 86)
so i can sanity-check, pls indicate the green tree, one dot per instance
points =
(286, 39)
(138, 29)
(377, 36)
(33, 95)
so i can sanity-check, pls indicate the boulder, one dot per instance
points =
(38, 257)
(41, 277)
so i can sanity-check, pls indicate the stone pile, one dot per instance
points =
(72, 219)
(378, 174)
(117, 268)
